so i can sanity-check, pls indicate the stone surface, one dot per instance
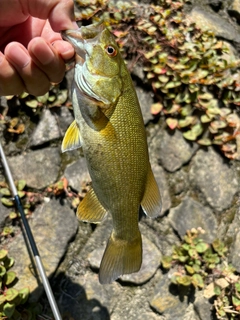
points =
(166, 301)
(209, 20)
(173, 150)
(192, 214)
(46, 130)
(39, 168)
(202, 307)
(145, 100)
(77, 173)
(53, 225)
(52, 125)
(215, 178)
(151, 261)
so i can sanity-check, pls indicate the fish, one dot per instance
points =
(108, 126)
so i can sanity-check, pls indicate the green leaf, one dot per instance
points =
(196, 267)
(3, 254)
(7, 231)
(11, 294)
(197, 281)
(21, 194)
(235, 301)
(8, 262)
(184, 280)
(201, 247)
(190, 135)
(204, 142)
(237, 286)
(13, 215)
(2, 271)
(193, 253)
(217, 290)
(32, 103)
(172, 123)
(21, 184)
(61, 98)
(2, 299)
(7, 202)
(9, 277)
(189, 269)
(166, 262)
(24, 294)
(156, 108)
(205, 118)
(186, 122)
(8, 309)
(5, 191)
(43, 99)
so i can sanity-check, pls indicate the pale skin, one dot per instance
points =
(32, 52)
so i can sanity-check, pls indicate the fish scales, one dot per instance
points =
(109, 127)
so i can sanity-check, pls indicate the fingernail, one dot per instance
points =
(20, 58)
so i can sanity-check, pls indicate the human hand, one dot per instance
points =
(32, 52)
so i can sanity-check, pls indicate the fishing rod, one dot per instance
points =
(31, 240)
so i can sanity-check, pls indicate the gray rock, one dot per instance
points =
(145, 101)
(46, 130)
(234, 9)
(191, 214)
(233, 239)
(173, 150)
(166, 300)
(77, 173)
(205, 19)
(53, 226)
(178, 181)
(39, 168)
(151, 261)
(4, 212)
(202, 306)
(52, 125)
(215, 178)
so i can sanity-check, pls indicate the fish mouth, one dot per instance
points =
(84, 38)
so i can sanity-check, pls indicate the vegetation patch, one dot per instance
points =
(194, 75)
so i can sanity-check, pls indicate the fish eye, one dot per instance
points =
(111, 51)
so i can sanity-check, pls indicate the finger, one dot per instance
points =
(59, 13)
(35, 80)
(10, 81)
(46, 57)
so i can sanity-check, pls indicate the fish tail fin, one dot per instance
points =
(120, 257)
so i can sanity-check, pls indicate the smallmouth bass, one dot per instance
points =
(109, 127)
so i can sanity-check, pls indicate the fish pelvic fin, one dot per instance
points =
(120, 257)
(151, 202)
(72, 138)
(90, 209)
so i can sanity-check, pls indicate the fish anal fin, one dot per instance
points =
(90, 209)
(72, 138)
(120, 257)
(151, 202)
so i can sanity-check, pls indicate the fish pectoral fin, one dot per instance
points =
(72, 138)
(120, 257)
(90, 209)
(151, 202)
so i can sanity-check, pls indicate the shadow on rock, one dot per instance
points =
(73, 302)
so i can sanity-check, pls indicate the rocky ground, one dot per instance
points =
(199, 188)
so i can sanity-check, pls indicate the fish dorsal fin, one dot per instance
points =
(72, 138)
(90, 209)
(151, 202)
